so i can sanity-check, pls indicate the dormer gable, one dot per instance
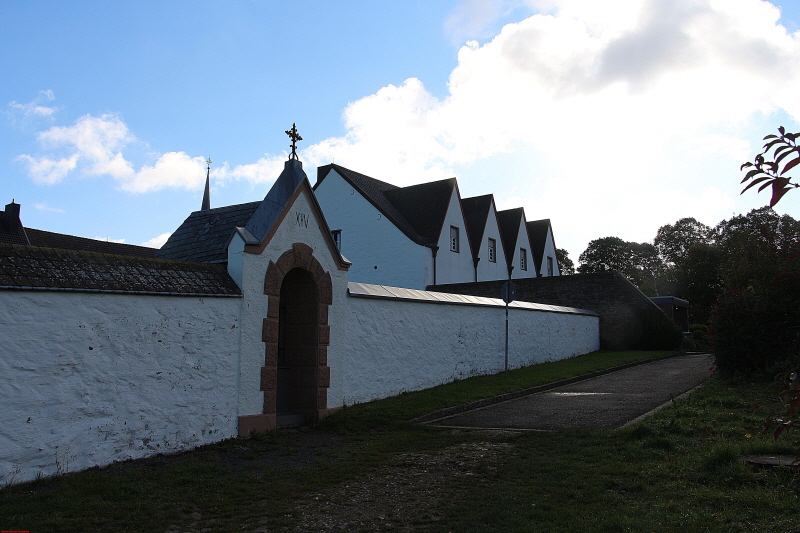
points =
(543, 246)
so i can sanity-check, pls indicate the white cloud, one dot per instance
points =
(593, 114)
(107, 239)
(42, 206)
(94, 146)
(157, 242)
(35, 108)
(621, 102)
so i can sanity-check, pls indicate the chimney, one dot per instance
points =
(11, 217)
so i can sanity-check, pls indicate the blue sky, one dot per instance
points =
(609, 118)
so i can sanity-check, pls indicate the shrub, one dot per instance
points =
(751, 334)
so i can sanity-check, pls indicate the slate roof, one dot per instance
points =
(537, 233)
(424, 206)
(508, 221)
(476, 214)
(204, 235)
(48, 239)
(276, 199)
(33, 267)
(375, 193)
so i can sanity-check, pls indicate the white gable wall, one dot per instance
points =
(306, 229)
(452, 267)
(549, 251)
(487, 270)
(523, 242)
(379, 252)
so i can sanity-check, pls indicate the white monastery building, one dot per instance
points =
(427, 234)
(260, 314)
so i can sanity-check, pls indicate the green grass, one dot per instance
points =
(679, 470)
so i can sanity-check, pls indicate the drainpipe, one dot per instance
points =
(434, 250)
(475, 260)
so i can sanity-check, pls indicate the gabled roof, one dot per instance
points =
(537, 233)
(32, 267)
(509, 222)
(424, 206)
(476, 215)
(13, 232)
(375, 193)
(276, 199)
(204, 235)
(48, 239)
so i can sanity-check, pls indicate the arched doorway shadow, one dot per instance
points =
(298, 321)
(295, 377)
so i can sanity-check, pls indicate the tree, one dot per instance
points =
(606, 253)
(639, 262)
(565, 265)
(673, 241)
(766, 167)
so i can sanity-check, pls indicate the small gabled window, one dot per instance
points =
(523, 259)
(492, 250)
(549, 266)
(337, 238)
(453, 239)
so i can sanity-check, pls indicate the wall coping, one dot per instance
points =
(382, 292)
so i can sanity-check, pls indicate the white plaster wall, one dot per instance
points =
(235, 251)
(90, 378)
(549, 251)
(254, 310)
(392, 346)
(488, 271)
(452, 267)
(379, 252)
(523, 242)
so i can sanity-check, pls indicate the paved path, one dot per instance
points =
(607, 401)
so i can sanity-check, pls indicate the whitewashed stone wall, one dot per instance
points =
(385, 346)
(90, 378)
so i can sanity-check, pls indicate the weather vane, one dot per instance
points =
(294, 136)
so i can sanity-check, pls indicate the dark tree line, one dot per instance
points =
(741, 277)
(696, 262)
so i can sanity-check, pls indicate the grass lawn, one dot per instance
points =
(368, 469)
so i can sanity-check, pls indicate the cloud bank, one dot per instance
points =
(618, 106)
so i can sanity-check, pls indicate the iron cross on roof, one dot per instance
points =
(294, 136)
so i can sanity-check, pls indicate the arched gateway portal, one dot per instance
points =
(296, 376)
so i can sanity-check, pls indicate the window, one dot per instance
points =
(549, 266)
(337, 238)
(523, 259)
(492, 251)
(453, 239)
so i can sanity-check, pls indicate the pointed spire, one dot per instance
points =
(207, 195)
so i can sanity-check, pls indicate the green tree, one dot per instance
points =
(757, 315)
(766, 171)
(698, 279)
(565, 265)
(674, 240)
(639, 262)
(606, 253)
